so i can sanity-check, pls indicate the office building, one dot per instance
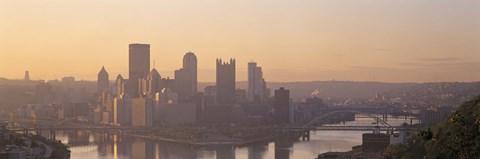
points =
(168, 83)
(119, 88)
(153, 83)
(190, 67)
(431, 117)
(166, 97)
(225, 82)
(102, 81)
(138, 67)
(186, 78)
(375, 142)
(122, 109)
(256, 84)
(142, 112)
(283, 110)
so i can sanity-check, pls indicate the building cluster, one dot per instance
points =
(373, 146)
(58, 100)
(146, 99)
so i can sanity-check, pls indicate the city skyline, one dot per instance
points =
(314, 40)
(216, 79)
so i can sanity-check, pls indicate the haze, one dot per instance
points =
(369, 40)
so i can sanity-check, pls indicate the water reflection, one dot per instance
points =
(86, 144)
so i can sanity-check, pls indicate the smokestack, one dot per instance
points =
(27, 76)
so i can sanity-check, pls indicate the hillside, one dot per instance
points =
(456, 138)
(332, 89)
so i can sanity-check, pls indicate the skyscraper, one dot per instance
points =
(256, 83)
(138, 67)
(283, 112)
(102, 81)
(186, 78)
(225, 82)
(190, 67)
(119, 86)
(154, 83)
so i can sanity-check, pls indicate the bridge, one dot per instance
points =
(105, 129)
(318, 123)
(299, 131)
(96, 128)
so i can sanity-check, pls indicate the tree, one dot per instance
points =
(395, 151)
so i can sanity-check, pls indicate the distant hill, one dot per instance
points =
(325, 89)
(436, 94)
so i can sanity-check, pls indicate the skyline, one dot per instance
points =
(423, 41)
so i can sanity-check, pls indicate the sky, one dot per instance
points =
(304, 40)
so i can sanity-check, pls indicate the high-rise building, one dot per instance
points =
(142, 112)
(153, 83)
(102, 81)
(138, 67)
(186, 78)
(256, 84)
(190, 67)
(119, 86)
(283, 111)
(122, 108)
(225, 82)
(179, 85)
(27, 76)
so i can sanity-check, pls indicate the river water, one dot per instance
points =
(91, 145)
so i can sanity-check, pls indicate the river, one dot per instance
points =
(92, 145)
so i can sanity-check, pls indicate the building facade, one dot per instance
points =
(142, 112)
(102, 81)
(256, 84)
(186, 78)
(225, 88)
(138, 67)
(283, 111)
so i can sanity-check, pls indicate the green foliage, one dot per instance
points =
(425, 135)
(19, 142)
(395, 151)
(457, 138)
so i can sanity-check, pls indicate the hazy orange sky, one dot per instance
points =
(304, 40)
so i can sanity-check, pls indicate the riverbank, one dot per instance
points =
(31, 146)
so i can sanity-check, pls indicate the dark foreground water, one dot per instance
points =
(91, 145)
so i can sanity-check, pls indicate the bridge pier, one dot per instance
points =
(306, 135)
(53, 135)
